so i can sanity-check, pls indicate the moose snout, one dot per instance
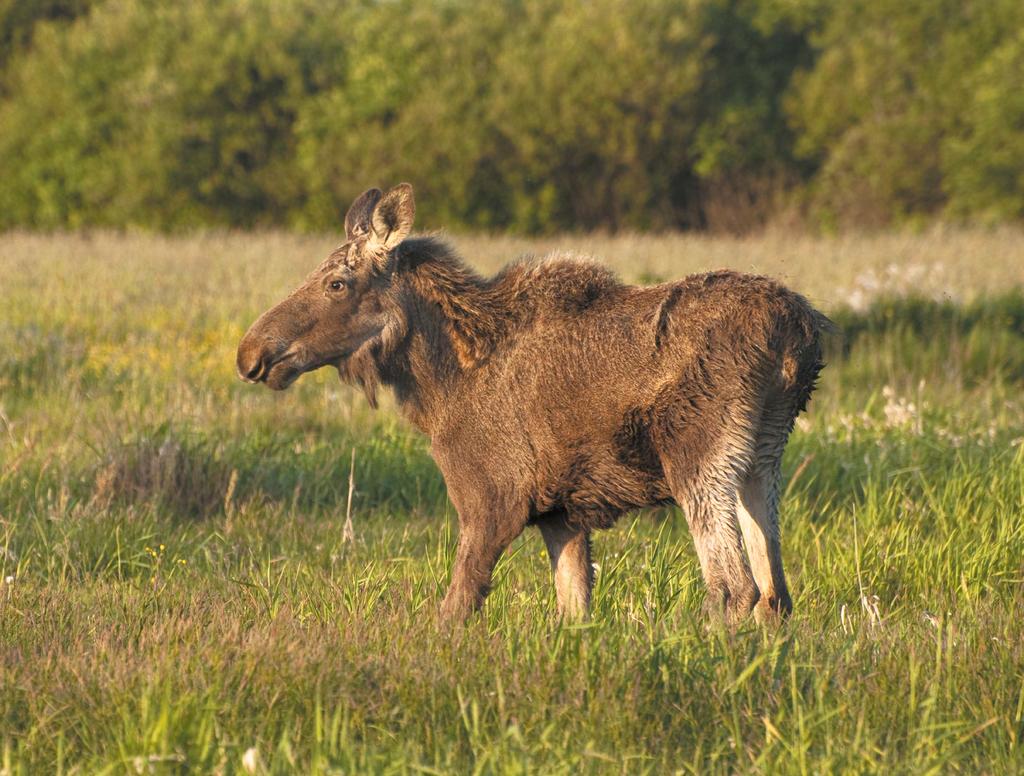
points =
(252, 360)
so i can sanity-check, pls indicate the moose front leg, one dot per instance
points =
(569, 551)
(482, 540)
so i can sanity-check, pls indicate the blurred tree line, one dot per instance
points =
(529, 115)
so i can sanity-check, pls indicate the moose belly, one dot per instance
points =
(596, 486)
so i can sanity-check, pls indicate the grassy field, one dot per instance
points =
(177, 592)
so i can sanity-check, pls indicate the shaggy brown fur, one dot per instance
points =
(554, 395)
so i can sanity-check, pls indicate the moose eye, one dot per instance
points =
(337, 285)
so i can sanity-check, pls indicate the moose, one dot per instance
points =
(557, 396)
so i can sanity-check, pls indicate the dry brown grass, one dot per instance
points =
(176, 474)
(941, 262)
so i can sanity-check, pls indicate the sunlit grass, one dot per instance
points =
(178, 595)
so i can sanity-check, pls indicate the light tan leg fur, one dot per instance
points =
(569, 551)
(757, 511)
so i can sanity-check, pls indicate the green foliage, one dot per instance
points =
(983, 161)
(18, 20)
(912, 107)
(529, 115)
(163, 115)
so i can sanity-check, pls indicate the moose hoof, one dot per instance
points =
(729, 608)
(456, 609)
(773, 610)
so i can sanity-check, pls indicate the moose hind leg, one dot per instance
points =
(758, 513)
(711, 515)
(569, 551)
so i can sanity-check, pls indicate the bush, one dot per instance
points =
(164, 115)
(528, 115)
(912, 108)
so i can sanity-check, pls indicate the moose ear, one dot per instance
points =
(357, 220)
(392, 217)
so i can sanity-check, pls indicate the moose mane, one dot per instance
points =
(480, 313)
(474, 315)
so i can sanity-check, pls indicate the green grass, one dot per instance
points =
(177, 589)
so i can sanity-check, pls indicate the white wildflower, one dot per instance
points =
(899, 411)
(870, 605)
(251, 759)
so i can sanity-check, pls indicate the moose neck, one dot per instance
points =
(454, 320)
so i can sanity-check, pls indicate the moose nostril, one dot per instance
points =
(251, 364)
(255, 370)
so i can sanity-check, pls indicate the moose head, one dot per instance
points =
(344, 311)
